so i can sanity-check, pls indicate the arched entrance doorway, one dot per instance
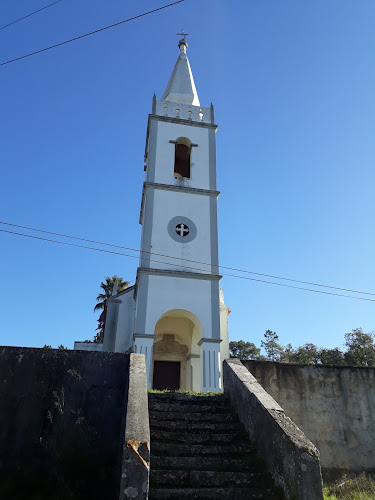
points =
(175, 361)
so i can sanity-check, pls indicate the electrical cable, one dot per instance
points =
(91, 33)
(28, 15)
(186, 267)
(188, 260)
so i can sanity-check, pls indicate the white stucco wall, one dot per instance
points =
(160, 207)
(165, 151)
(158, 294)
(125, 322)
(181, 327)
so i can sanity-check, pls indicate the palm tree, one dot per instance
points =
(108, 290)
(108, 287)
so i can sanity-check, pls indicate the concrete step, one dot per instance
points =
(156, 406)
(186, 450)
(241, 462)
(199, 449)
(194, 417)
(196, 426)
(213, 493)
(205, 479)
(195, 438)
(187, 398)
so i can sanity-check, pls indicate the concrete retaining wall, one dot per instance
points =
(62, 417)
(334, 406)
(135, 469)
(291, 458)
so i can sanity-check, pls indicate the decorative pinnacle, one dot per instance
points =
(183, 41)
(115, 287)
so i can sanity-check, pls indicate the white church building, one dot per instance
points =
(175, 313)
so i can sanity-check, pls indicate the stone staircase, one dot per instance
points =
(199, 449)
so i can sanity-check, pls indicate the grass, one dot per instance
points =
(180, 391)
(360, 487)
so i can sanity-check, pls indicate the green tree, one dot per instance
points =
(361, 348)
(331, 357)
(288, 354)
(274, 351)
(360, 351)
(244, 350)
(307, 354)
(107, 287)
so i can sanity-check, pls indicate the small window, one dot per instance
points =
(182, 158)
(182, 229)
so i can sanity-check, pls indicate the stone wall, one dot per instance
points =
(290, 457)
(334, 407)
(62, 417)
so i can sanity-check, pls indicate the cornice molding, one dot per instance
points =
(144, 336)
(187, 189)
(193, 356)
(182, 121)
(212, 341)
(178, 274)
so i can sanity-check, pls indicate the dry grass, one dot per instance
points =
(360, 487)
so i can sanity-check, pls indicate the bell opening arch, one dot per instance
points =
(182, 161)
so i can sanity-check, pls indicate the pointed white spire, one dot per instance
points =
(181, 86)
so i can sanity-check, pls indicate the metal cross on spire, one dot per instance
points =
(183, 34)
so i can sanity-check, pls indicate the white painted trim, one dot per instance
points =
(182, 121)
(210, 355)
(179, 274)
(172, 187)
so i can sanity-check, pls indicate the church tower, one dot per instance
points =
(175, 313)
(177, 318)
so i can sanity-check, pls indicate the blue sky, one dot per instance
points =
(293, 88)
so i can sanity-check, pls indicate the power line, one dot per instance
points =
(28, 15)
(186, 267)
(187, 260)
(92, 32)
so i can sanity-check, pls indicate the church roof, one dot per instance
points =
(181, 86)
(125, 290)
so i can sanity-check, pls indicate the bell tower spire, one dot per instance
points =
(181, 86)
(176, 294)
(174, 314)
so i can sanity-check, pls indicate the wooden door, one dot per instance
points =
(166, 375)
